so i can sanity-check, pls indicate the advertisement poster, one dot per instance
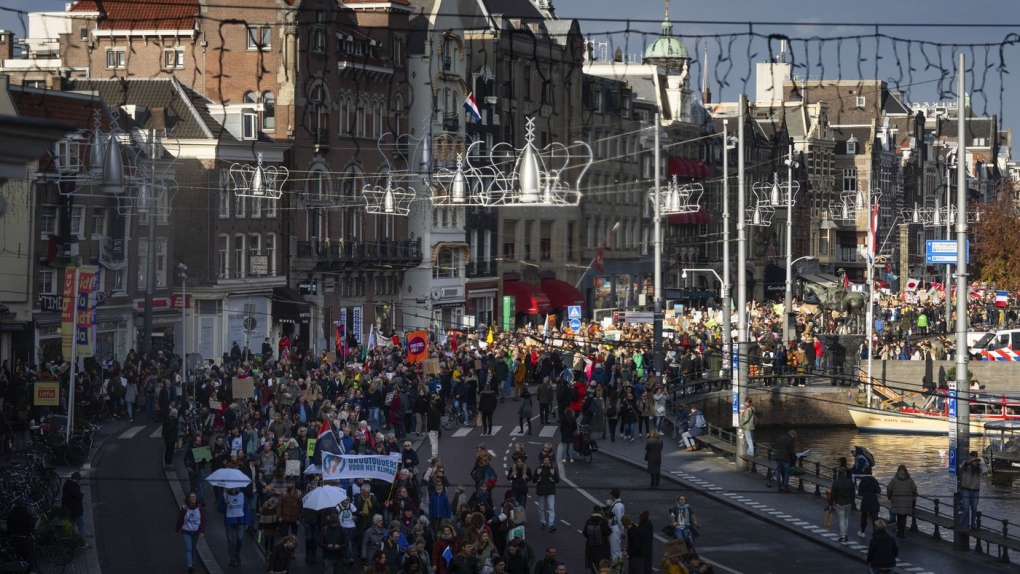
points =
(80, 298)
(356, 325)
(46, 394)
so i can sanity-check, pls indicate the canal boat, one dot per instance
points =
(932, 417)
(1002, 454)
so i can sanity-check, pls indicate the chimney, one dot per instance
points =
(6, 45)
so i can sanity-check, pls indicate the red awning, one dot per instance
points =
(529, 299)
(561, 294)
(700, 217)
(688, 168)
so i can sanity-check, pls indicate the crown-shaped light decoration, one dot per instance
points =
(918, 215)
(770, 196)
(388, 199)
(852, 204)
(258, 181)
(454, 187)
(677, 199)
(116, 163)
(529, 177)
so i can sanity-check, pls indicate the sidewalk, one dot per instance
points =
(87, 561)
(716, 476)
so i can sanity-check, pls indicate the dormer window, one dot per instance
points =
(851, 146)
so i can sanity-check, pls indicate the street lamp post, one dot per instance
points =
(788, 322)
(657, 256)
(959, 429)
(146, 205)
(182, 272)
(742, 346)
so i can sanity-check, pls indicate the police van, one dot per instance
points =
(995, 346)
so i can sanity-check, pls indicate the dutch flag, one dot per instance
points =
(1001, 298)
(472, 107)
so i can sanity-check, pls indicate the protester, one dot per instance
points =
(190, 527)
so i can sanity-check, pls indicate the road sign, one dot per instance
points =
(952, 405)
(250, 323)
(575, 325)
(942, 251)
(574, 312)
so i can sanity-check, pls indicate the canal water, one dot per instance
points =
(925, 456)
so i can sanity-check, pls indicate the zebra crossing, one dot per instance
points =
(540, 430)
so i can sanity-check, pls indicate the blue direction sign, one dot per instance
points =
(952, 404)
(575, 324)
(942, 251)
(574, 312)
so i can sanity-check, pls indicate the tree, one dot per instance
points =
(995, 237)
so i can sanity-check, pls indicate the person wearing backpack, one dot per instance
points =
(748, 422)
(596, 532)
(697, 428)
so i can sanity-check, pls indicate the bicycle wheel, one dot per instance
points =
(50, 559)
(449, 421)
(74, 455)
(587, 454)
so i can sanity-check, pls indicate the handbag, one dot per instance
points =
(827, 518)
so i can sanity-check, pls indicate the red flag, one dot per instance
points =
(846, 281)
(326, 441)
(599, 262)
(453, 341)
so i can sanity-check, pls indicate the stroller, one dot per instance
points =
(583, 443)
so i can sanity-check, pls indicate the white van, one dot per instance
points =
(994, 341)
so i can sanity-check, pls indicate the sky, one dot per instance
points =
(829, 39)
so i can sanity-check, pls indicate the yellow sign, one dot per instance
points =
(46, 394)
(310, 452)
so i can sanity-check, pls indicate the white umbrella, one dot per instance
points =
(313, 469)
(324, 497)
(228, 478)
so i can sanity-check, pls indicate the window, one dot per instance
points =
(98, 221)
(143, 261)
(860, 101)
(271, 253)
(117, 281)
(83, 33)
(239, 255)
(268, 111)
(47, 281)
(224, 255)
(239, 207)
(116, 58)
(509, 250)
(78, 221)
(527, 83)
(569, 255)
(398, 50)
(849, 180)
(851, 147)
(259, 37)
(319, 41)
(173, 58)
(249, 125)
(545, 241)
(271, 207)
(254, 244)
(447, 264)
(224, 211)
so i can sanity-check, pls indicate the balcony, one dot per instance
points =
(321, 140)
(360, 254)
(451, 123)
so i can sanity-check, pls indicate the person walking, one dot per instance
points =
(519, 476)
(487, 401)
(169, 435)
(970, 489)
(841, 496)
(235, 517)
(748, 422)
(568, 426)
(612, 416)
(190, 525)
(596, 533)
(432, 419)
(902, 492)
(615, 512)
(73, 500)
(524, 411)
(546, 393)
(786, 453)
(869, 490)
(546, 479)
(653, 456)
(279, 560)
(882, 551)
(634, 551)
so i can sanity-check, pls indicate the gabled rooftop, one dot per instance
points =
(126, 15)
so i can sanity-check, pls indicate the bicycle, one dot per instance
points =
(452, 417)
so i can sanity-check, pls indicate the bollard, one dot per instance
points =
(937, 535)
(1004, 556)
(818, 474)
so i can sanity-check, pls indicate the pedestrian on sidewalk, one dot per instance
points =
(653, 456)
(970, 489)
(546, 480)
(902, 492)
(786, 453)
(869, 490)
(882, 551)
(73, 500)
(190, 524)
(235, 517)
(748, 422)
(841, 495)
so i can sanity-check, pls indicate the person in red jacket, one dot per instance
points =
(190, 523)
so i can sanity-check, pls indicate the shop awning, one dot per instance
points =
(700, 217)
(528, 299)
(561, 294)
(289, 306)
(688, 168)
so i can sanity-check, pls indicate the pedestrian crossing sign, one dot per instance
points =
(574, 312)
